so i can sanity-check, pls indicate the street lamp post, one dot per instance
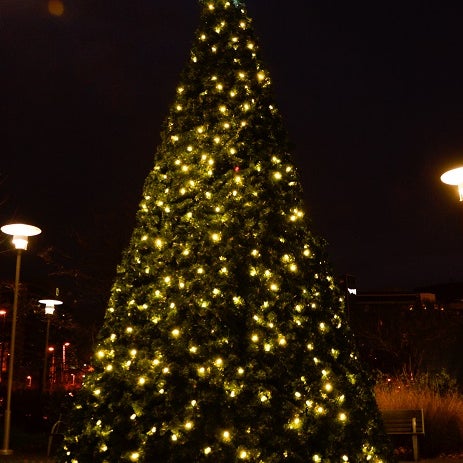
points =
(454, 177)
(49, 310)
(20, 233)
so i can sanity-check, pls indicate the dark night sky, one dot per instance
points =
(371, 93)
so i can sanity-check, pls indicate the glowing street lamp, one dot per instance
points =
(454, 177)
(20, 233)
(49, 311)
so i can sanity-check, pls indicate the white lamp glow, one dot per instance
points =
(50, 305)
(454, 177)
(20, 233)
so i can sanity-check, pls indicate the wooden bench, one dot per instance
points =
(405, 422)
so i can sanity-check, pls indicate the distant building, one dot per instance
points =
(405, 331)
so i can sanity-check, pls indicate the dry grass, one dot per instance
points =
(443, 414)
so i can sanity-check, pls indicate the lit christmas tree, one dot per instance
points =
(225, 338)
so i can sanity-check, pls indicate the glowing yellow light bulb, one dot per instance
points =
(226, 435)
(134, 456)
(342, 417)
(254, 338)
(188, 425)
(207, 450)
(296, 422)
(176, 333)
(141, 381)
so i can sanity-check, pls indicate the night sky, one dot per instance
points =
(371, 93)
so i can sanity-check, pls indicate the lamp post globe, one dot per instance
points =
(454, 177)
(20, 233)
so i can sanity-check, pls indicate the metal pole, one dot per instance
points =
(45, 357)
(6, 436)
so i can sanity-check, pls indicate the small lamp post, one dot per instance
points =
(454, 177)
(20, 233)
(49, 311)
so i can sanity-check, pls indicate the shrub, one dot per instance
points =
(442, 403)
